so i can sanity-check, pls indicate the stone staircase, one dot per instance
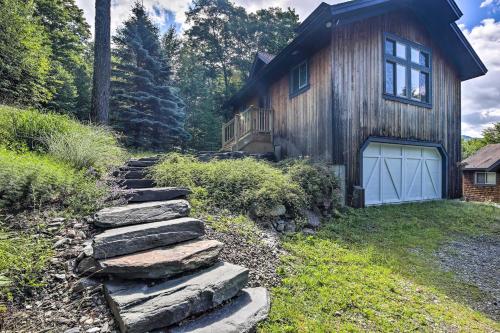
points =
(161, 274)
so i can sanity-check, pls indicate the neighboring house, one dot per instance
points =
(372, 87)
(481, 181)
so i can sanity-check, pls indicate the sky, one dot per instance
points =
(480, 24)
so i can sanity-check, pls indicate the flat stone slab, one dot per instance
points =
(140, 307)
(242, 315)
(158, 194)
(146, 212)
(137, 183)
(144, 163)
(135, 238)
(162, 262)
(133, 174)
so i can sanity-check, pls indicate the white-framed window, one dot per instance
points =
(299, 78)
(485, 178)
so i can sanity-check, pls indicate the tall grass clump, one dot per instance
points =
(23, 258)
(239, 186)
(32, 181)
(65, 139)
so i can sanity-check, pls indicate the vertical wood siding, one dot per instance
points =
(360, 111)
(303, 124)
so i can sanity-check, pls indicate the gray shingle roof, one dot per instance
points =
(487, 158)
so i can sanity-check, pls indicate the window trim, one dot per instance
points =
(486, 183)
(409, 66)
(304, 88)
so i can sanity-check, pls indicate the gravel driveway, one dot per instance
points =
(476, 261)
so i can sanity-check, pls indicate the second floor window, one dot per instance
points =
(407, 71)
(299, 78)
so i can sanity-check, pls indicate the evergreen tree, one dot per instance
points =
(144, 107)
(68, 34)
(24, 55)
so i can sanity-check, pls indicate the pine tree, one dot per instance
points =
(143, 106)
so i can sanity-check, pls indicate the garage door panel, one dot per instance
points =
(400, 173)
(391, 180)
(413, 179)
(371, 174)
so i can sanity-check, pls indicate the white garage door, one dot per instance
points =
(399, 173)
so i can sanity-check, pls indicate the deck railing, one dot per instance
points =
(252, 120)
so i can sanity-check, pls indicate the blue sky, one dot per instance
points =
(480, 24)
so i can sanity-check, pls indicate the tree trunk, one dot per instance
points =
(102, 62)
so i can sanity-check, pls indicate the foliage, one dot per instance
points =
(319, 183)
(67, 34)
(64, 138)
(492, 134)
(32, 181)
(239, 186)
(471, 146)
(23, 258)
(43, 62)
(215, 57)
(24, 54)
(95, 147)
(144, 106)
(375, 270)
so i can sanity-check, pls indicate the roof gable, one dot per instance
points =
(438, 16)
(486, 158)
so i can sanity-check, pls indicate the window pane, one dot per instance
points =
(424, 87)
(401, 50)
(424, 59)
(389, 78)
(390, 47)
(303, 75)
(415, 56)
(415, 84)
(491, 178)
(480, 178)
(401, 81)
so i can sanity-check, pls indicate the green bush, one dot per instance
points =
(239, 186)
(62, 137)
(319, 183)
(29, 180)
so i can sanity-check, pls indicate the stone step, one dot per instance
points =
(161, 262)
(141, 163)
(133, 174)
(137, 183)
(141, 307)
(158, 194)
(242, 315)
(114, 217)
(135, 238)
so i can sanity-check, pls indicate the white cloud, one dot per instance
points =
(486, 3)
(481, 96)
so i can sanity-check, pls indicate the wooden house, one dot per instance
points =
(481, 180)
(372, 87)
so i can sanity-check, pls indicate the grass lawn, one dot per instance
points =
(375, 270)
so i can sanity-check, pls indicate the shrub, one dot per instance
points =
(319, 183)
(64, 138)
(236, 185)
(29, 180)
